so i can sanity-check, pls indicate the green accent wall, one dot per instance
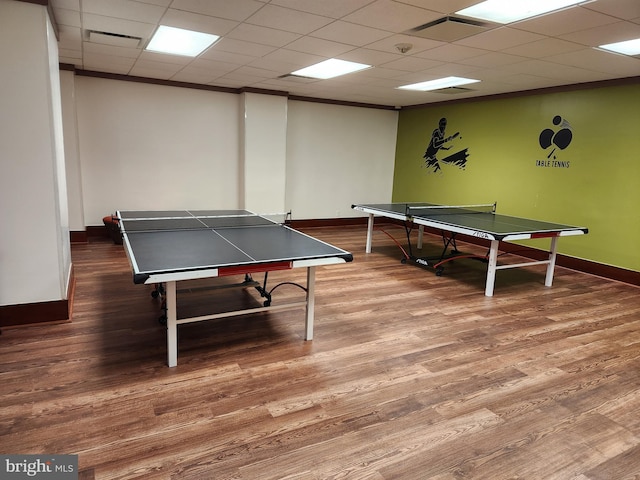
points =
(594, 182)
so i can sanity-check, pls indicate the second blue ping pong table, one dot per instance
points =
(480, 221)
(167, 247)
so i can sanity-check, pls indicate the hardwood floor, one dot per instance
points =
(409, 376)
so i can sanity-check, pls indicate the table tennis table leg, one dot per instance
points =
(311, 281)
(369, 233)
(172, 325)
(548, 281)
(420, 235)
(491, 270)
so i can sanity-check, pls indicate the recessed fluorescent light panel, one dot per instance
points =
(330, 68)
(630, 47)
(507, 11)
(177, 41)
(446, 82)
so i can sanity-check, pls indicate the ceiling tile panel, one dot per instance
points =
(451, 52)
(499, 39)
(565, 21)
(205, 70)
(237, 10)
(136, 11)
(68, 4)
(263, 35)
(542, 48)
(350, 33)
(263, 73)
(107, 63)
(279, 66)
(613, 32)
(118, 26)
(441, 6)
(370, 57)
(598, 60)
(161, 3)
(111, 50)
(197, 22)
(451, 69)
(150, 72)
(286, 19)
(153, 64)
(327, 8)
(192, 76)
(392, 16)
(493, 59)
(212, 53)
(384, 73)
(242, 79)
(319, 46)
(623, 9)
(294, 58)
(412, 64)
(243, 48)
(152, 58)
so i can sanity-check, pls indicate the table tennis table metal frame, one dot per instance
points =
(170, 287)
(170, 279)
(492, 237)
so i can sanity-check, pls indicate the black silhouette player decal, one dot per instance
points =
(436, 143)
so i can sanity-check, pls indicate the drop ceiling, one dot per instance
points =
(264, 40)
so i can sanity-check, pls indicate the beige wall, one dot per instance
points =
(144, 146)
(35, 259)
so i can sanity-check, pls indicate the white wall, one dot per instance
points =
(34, 246)
(264, 152)
(60, 210)
(146, 146)
(338, 156)
(71, 154)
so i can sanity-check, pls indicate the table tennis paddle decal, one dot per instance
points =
(561, 139)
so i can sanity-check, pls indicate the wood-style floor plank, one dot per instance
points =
(409, 376)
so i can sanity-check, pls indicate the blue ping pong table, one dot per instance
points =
(480, 221)
(167, 247)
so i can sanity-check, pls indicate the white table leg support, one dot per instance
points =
(311, 284)
(491, 270)
(172, 325)
(369, 233)
(548, 281)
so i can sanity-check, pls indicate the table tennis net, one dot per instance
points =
(196, 221)
(417, 210)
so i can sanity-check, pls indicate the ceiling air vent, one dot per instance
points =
(298, 78)
(449, 29)
(453, 90)
(114, 39)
